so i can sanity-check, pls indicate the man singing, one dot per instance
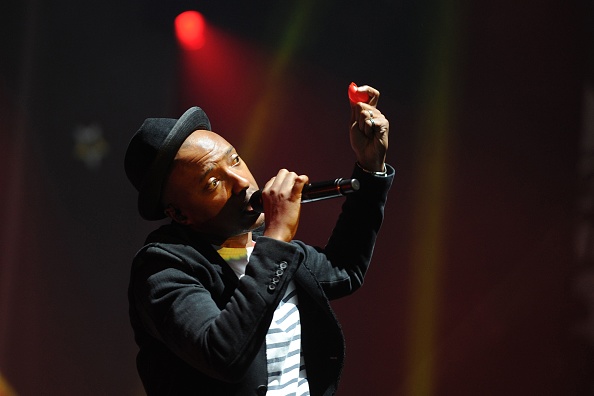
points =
(222, 300)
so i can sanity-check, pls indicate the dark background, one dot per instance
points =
(472, 290)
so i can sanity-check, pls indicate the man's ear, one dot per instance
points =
(176, 214)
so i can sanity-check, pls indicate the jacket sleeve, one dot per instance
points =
(341, 266)
(174, 298)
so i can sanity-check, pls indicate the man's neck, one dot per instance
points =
(236, 241)
(239, 241)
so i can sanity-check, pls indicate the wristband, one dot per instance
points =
(383, 173)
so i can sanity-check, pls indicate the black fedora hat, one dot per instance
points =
(151, 152)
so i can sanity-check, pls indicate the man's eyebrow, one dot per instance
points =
(211, 167)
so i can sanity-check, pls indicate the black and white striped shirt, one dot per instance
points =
(286, 366)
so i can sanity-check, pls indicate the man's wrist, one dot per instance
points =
(384, 172)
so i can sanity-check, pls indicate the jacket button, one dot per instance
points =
(262, 389)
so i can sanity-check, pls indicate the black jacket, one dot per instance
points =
(201, 330)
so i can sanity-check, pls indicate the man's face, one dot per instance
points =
(210, 186)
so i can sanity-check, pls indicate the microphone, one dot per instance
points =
(315, 192)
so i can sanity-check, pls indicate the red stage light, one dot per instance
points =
(189, 29)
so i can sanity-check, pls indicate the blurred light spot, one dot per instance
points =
(189, 30)
(89, 145)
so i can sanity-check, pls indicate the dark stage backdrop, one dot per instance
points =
(470, 292)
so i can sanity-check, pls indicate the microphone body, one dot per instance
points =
(315, 191)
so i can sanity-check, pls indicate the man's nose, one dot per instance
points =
(240, 182)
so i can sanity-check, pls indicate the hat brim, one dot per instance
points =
(149, 196)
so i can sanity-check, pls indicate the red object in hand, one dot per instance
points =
(356, 96)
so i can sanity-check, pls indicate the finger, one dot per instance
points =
(370, 127)
(369, 117)
(300, 182)
(288, 181)
(276, 181)
(362, 127)
(381, 128)
(375, 112)
(269, 183)
(289, 185)
(373, 94)
(362, 115)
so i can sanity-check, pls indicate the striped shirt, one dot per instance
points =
(286, 366)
